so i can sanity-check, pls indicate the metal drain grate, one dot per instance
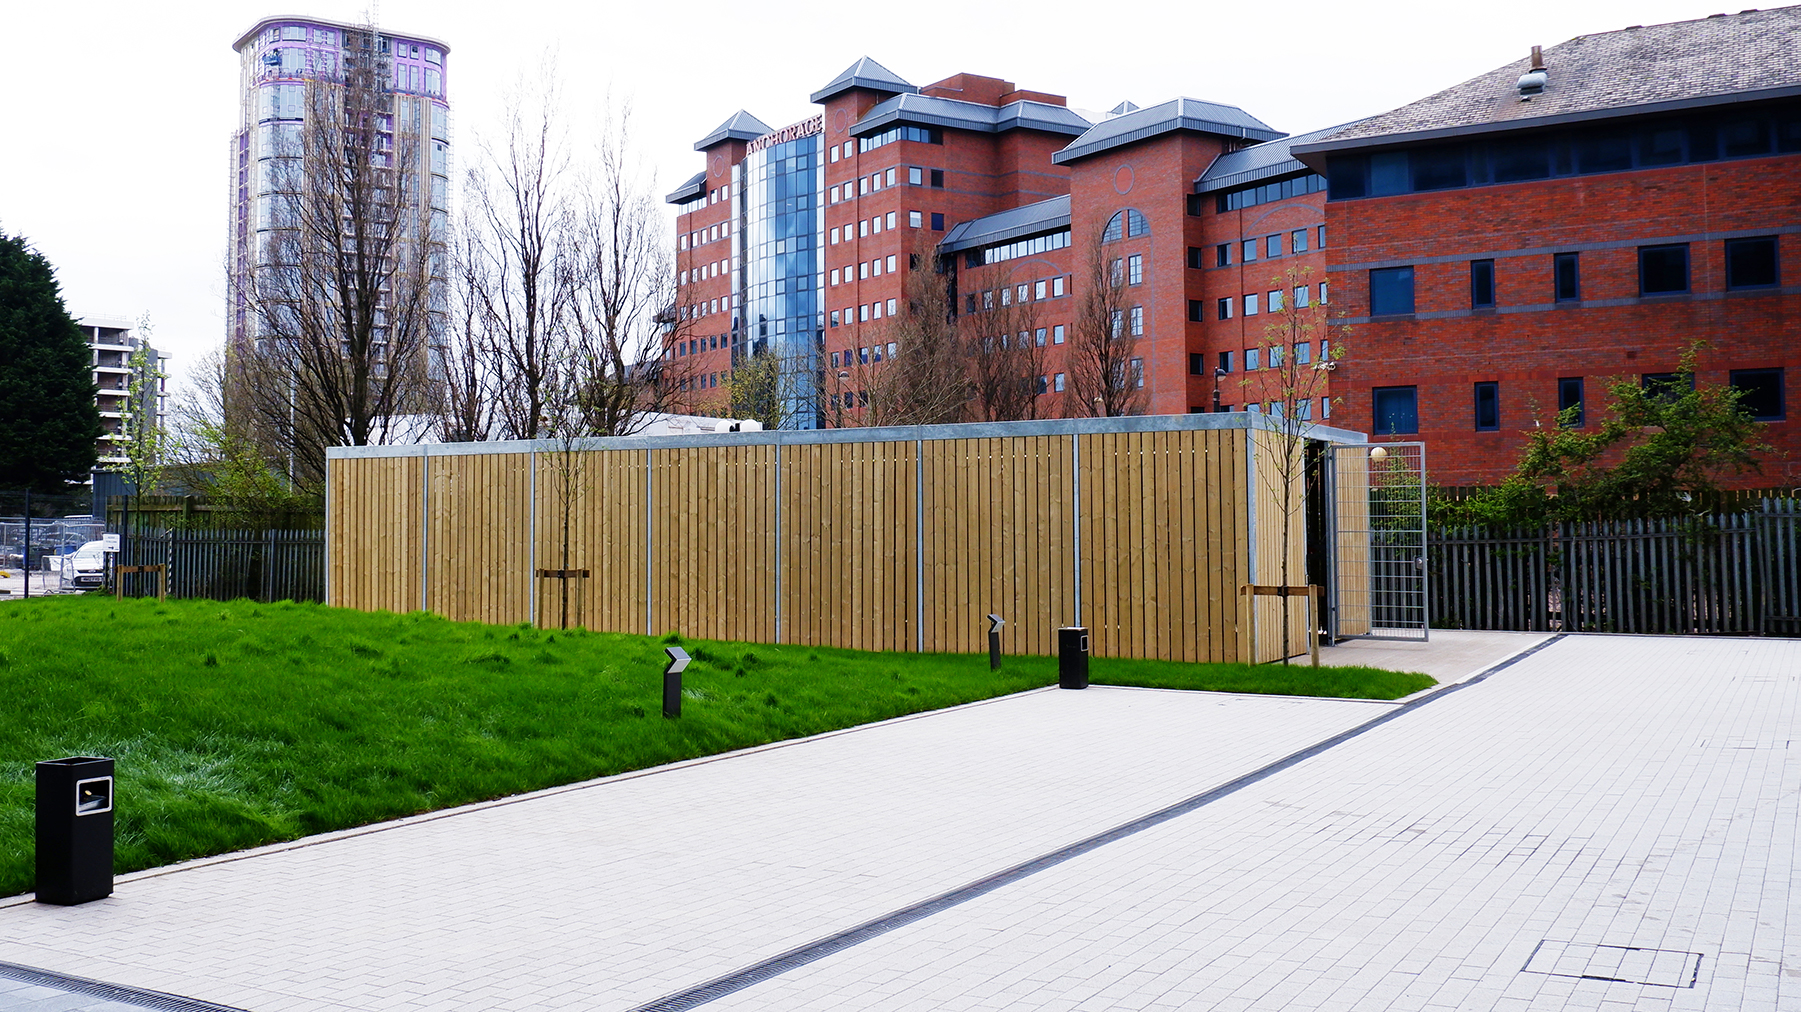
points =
(138, 996)
(1622, 963)
(1737, 743)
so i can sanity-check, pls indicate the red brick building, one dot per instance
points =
(1507, 247)
(1487, 255)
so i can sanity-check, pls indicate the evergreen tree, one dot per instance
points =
(49, 424)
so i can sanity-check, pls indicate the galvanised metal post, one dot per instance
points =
(994, 641)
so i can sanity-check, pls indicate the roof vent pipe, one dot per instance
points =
(1533, 81)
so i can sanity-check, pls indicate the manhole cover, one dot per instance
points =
(1625, 964)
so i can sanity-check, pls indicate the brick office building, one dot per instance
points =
(1651, 186)
(801, 240)
(1508, 246)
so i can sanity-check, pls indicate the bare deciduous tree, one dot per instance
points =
(621, 277)
(1301, 358)
(513, 266)
(343, 289)
(1007, 358)
(926, 380)
(1102, 348)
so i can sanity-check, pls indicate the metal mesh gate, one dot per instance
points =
(1379, 533)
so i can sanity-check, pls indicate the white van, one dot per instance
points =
(86, 568)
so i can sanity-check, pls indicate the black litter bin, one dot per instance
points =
(75, 830)
(1072, 657)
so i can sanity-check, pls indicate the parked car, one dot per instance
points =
(86, 568)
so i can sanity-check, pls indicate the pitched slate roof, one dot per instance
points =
(1176, 114)
(739, 126)
(867, 74)
(1014, 223)
(690, 190)
(927, 110)
(1643, 69)
(1269, 160)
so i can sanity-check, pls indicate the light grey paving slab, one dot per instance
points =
(1585, 795)
(613, 893)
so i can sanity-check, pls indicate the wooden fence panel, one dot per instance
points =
(997, 540)
(479, 569)
(375, 529)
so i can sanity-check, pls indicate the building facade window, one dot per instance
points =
(1272, 245)
(1196, 311)
(1482, 284)
(1751, 263)
(1250, 304)
(1197, 258)
(1760, 393)
(1225, 309)
(1225, 362)
(1395, 410)
(1135, 269)
(1663, 270)
(1222, 255)
(1391, 291)
(1137, 316)
(1488, 407)
(1567, 274)
(1569, 399)
(1249, 251)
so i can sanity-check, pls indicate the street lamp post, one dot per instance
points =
(1219, 372)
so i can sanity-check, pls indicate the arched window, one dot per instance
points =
(1129, 222)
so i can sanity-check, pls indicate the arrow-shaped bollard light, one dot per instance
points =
(994, 641)
(672, 681)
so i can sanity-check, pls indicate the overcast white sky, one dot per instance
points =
(115, 117)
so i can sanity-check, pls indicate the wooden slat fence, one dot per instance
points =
(901, 539)
(1735, 573)
(227, 565)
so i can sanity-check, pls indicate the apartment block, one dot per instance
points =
(113, 343)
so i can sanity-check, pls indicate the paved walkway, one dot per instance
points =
(1609, 807)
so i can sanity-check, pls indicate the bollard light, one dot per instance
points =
(994, 641)
(672, 681)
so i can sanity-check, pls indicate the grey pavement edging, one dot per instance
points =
(813, 951)
(139, 996)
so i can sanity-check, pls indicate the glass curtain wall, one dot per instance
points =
(783, 230)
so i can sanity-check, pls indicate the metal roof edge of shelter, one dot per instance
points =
(739, 126)
(1228, 420)
(1269, 160)
(690, 190)
(262, 23)
(868, 75)
(957, 114)
(1004, 226)
(1632, 71)
(1166, 117)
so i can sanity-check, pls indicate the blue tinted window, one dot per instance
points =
(1396, 410)
(1488, 407)
(1391, 291)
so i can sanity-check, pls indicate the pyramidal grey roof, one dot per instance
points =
(928, 110)
(1269, 160)
(690, 190)
(1005, 226)
(739, 126)
(1643, 69)
(1176, 114)
(867, 74)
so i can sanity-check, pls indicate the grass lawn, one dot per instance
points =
(241, 724)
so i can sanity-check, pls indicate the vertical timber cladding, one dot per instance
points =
(604, 492)
(999, 538)
(1267, 487)
(1351, 489)
(849, 544)
(374, 531)
(1164, 542)
(480, 506)
(713, 543)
